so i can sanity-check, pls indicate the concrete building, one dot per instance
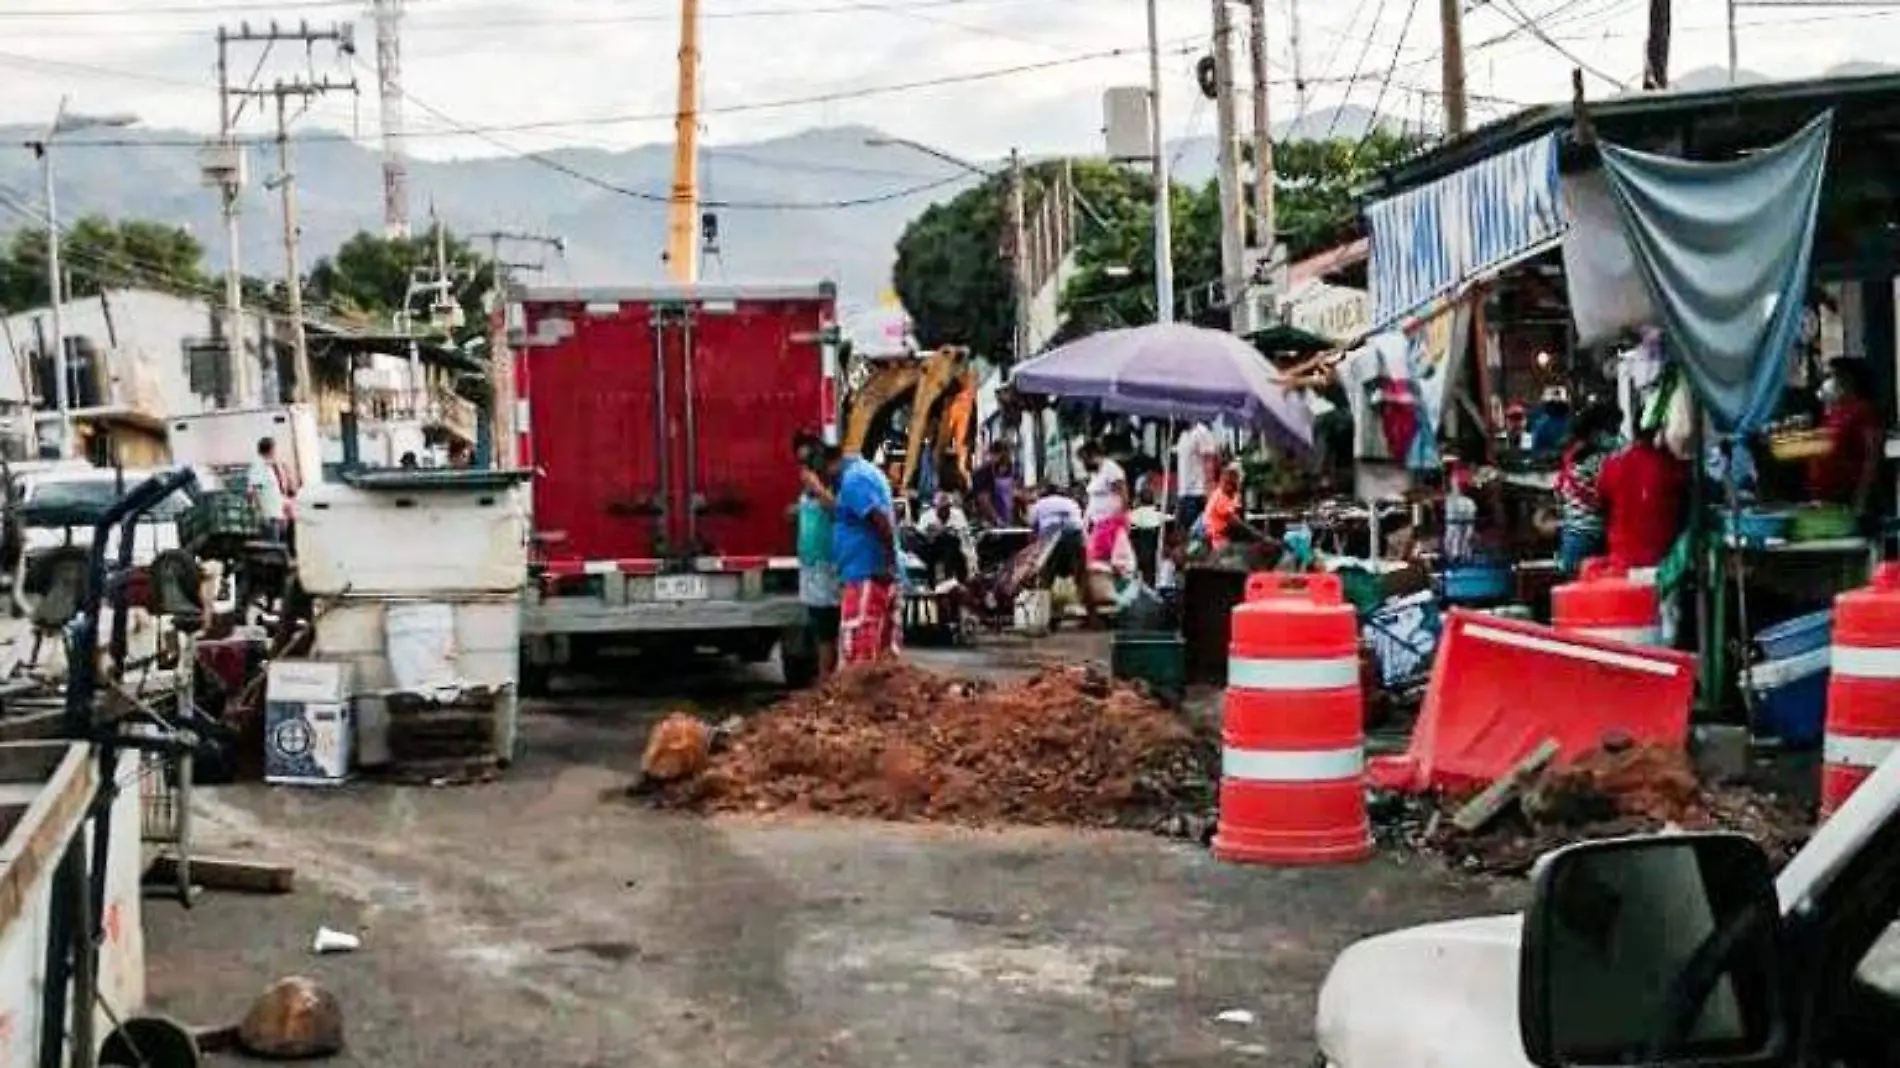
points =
(139, 357)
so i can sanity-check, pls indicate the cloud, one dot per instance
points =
(508, 62)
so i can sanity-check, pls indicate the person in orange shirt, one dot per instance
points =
(1223, 517)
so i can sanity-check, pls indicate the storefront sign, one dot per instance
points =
(1431, 241)
(1337, 313)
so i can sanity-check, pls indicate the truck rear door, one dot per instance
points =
(660, 424)
(589, 375)
(754, 372)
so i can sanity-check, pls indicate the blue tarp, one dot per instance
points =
(1723, 249)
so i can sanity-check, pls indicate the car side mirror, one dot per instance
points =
(1656, 951)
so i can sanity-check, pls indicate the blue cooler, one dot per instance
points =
(1790, 683)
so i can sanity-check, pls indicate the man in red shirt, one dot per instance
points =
(1641, 491)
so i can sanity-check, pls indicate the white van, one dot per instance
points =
(1671, 950)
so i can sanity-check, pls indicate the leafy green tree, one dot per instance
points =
(951, 273)
(98, 254)
(1318, 183)
(373, 274)
(954, 280)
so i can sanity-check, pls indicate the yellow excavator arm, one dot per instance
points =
(940, 391)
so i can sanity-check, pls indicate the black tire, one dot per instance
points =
(799, 668)
(536, 679)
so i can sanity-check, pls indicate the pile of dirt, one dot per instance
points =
(1065, 746)
(1607, 793)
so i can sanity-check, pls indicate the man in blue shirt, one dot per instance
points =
(864, 550)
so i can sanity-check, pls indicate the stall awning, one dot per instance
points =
(1431, 242)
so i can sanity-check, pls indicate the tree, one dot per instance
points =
(954, 281)
(373, 274)
(98, 254)
(951, 273)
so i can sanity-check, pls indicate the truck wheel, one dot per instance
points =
(800, 669)
(536, 680)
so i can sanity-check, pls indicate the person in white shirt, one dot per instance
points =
(1107, 485)
(265, 487)
(1196, 459)
(1054, 514)
(943, 534)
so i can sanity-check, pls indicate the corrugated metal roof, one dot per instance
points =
(1622, 116)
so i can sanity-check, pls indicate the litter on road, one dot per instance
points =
(1065, 746)
(329, 941)
(1619, 789)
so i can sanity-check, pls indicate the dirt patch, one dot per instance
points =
(1608, 793)
(1064, 746)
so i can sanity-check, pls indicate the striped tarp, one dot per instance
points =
(1429, 242)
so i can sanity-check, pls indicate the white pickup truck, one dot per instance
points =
(1671, 950)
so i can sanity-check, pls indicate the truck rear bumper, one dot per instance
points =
(591, 615)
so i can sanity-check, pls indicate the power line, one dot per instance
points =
(1358, 67)
(105, 268)
(1517, 15)
(830, 97)
(173, 9)
(1390, 71)
(664, 198)
(824, 7)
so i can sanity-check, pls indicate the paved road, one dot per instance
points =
(543, 920)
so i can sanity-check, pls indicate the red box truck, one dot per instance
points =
(658, 422)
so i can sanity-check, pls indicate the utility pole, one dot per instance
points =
(1233, 225)
(501, 359)
(286, 182)
(1656, 47)
(1019, 255)
(1451, 17)
(1164, 222)
(1266, 233)
(389, 90)
(1734, 45)
(682, 210)
(225, 168)
(1293, 39)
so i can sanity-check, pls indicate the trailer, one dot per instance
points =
(658, 424)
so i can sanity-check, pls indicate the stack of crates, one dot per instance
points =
(1789, 683)
(219, 517)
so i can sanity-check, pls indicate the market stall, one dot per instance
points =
(1671, 341)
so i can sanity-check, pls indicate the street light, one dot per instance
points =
(63, 122)
(933, 153)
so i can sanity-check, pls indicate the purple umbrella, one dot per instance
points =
(1172, 371)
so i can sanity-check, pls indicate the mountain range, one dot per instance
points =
(823, 203)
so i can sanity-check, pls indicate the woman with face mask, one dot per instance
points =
(1845, 473)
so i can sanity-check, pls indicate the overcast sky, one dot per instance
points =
(503, 63)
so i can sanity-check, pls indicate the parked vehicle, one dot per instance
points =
(1671, 950)
(658, 423)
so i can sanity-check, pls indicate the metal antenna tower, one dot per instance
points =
(388, 14)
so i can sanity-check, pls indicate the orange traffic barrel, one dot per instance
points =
(1292, 787)
(1863, 687)
(1604, 602)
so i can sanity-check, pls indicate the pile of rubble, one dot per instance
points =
(1610, 792)
(1065, 746)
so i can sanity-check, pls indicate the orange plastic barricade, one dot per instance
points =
(1604, 603)
(1500, 687)
(1292, 785)
(1863, 688)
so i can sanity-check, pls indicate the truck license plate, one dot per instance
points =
(679, 588)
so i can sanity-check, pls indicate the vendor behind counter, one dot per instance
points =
(1846, 473)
